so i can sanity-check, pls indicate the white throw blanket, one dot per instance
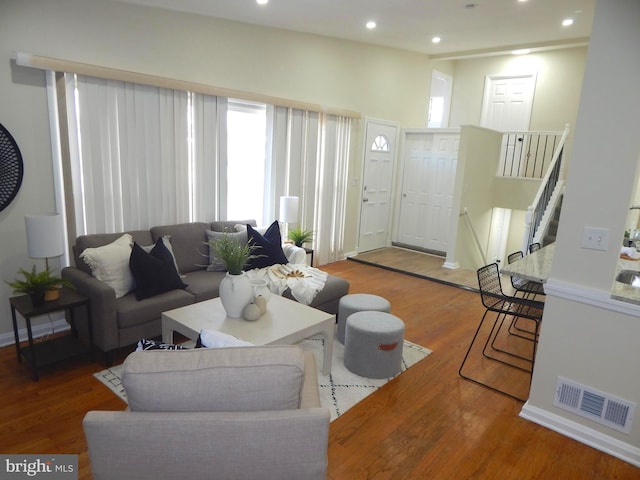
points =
(303, 281)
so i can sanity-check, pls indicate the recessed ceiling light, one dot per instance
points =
(567, 22)
(435, 40)
(262, 2)
(371, 24)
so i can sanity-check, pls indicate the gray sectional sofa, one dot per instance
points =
(119, 322)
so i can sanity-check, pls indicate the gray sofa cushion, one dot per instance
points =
(189, 243)
(215, 380)
(132, 311)
(229, 225)
(203, 285)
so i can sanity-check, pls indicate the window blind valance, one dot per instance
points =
(107, 73)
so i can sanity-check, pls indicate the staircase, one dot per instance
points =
(543, 215)
(550, 235)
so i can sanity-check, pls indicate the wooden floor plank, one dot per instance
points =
(418, 263)
(429, 422)
(426, 423)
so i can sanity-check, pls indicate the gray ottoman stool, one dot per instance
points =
(373, 344)
(358, 302)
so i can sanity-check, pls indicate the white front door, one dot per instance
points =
(430, 162)
(506, 107)
(379, 159)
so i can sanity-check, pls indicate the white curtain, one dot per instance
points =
(309, 159)
(142, 156)
(208, 137)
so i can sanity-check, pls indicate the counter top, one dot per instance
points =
(536, 266)
(622, 291)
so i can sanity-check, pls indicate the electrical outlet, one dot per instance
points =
(595, 238)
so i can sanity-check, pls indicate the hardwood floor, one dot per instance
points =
(429, 423)
(426, 423)
(418, 263)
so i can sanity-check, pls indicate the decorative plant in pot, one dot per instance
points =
(299, 236)
(38, 285)
(235, 290)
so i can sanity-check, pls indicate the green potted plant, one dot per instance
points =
(233, 254)
(299, 236)
(37, 284)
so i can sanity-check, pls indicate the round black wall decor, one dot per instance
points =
(11, 168)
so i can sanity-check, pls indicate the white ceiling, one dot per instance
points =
(465, 26)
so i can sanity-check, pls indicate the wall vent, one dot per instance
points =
(598, 406)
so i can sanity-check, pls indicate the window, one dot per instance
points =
(246, 161)
(439, 100)
(141, 156)
(380, 144)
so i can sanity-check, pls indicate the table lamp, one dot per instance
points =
(44, 236)
(288, 211)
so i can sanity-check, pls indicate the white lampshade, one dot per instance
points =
(289, 209)
(44, 235)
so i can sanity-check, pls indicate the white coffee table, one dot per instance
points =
(285, 323)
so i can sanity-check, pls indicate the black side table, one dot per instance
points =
(59, 348)
(309, 251)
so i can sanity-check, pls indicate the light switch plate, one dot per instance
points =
(595, 238)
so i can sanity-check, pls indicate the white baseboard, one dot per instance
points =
(451, 265)
(56, 324)
(582, 434)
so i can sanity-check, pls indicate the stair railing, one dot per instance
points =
(549, 181)
(527, 154)
(465, 214)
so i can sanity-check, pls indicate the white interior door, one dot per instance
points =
(379, 158)
(506, 107)
(430, 162)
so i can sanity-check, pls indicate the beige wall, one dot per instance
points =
(475, 194)
(586, 336)
(558, 85)
(378, 82)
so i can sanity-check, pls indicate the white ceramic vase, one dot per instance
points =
(235, 294)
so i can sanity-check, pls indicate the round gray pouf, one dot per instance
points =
(373, 344)
(358, 302)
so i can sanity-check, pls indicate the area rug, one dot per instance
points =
(339, 391)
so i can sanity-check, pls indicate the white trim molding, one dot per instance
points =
(582, 434)
(56, 324)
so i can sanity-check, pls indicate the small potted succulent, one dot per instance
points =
(38, 285)
(299, 236)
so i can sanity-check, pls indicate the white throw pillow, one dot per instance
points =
(110, 264)
(243, 228)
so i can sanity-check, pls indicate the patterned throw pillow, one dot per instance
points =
(145, 344)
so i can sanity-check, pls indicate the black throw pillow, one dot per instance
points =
(268, 249)
(153, 272)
